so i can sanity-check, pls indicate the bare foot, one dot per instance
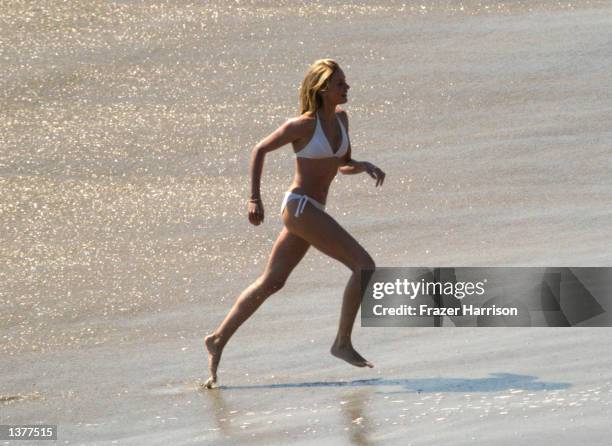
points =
(350, 355)
(214, 355)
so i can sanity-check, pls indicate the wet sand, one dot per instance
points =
(126, 132)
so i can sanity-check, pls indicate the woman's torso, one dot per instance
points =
(314, 175)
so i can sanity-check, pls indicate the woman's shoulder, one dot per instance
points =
(301, 125)
(305, 117)
(305, 120)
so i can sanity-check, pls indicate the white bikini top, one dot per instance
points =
(319, 146)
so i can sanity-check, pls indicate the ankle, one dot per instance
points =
(342, 342)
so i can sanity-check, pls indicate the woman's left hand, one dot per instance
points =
(375, 173)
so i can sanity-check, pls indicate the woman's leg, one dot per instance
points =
(287, 252)
(324, 233)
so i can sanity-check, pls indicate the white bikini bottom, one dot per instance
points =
(303, 199)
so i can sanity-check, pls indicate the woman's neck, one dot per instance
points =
(327, 111)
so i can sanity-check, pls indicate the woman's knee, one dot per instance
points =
(364, 262)
(271, 283)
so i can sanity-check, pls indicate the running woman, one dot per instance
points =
(319, 137)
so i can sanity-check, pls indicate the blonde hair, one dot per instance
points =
(316, 81)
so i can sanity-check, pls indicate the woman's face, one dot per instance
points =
(337, 88)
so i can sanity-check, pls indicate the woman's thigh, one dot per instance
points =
(324, 233)
(287, 252)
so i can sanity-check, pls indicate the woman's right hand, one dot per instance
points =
(256, 212)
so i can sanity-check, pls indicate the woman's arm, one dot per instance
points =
(351, 167)
(354, 166)
(286, 133)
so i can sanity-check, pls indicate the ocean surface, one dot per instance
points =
(125, 134)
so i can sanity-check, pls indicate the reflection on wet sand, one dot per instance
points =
(357, 421)
(221, 411)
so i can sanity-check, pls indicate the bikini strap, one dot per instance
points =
(301, 205)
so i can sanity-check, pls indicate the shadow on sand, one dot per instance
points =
(495, 383)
